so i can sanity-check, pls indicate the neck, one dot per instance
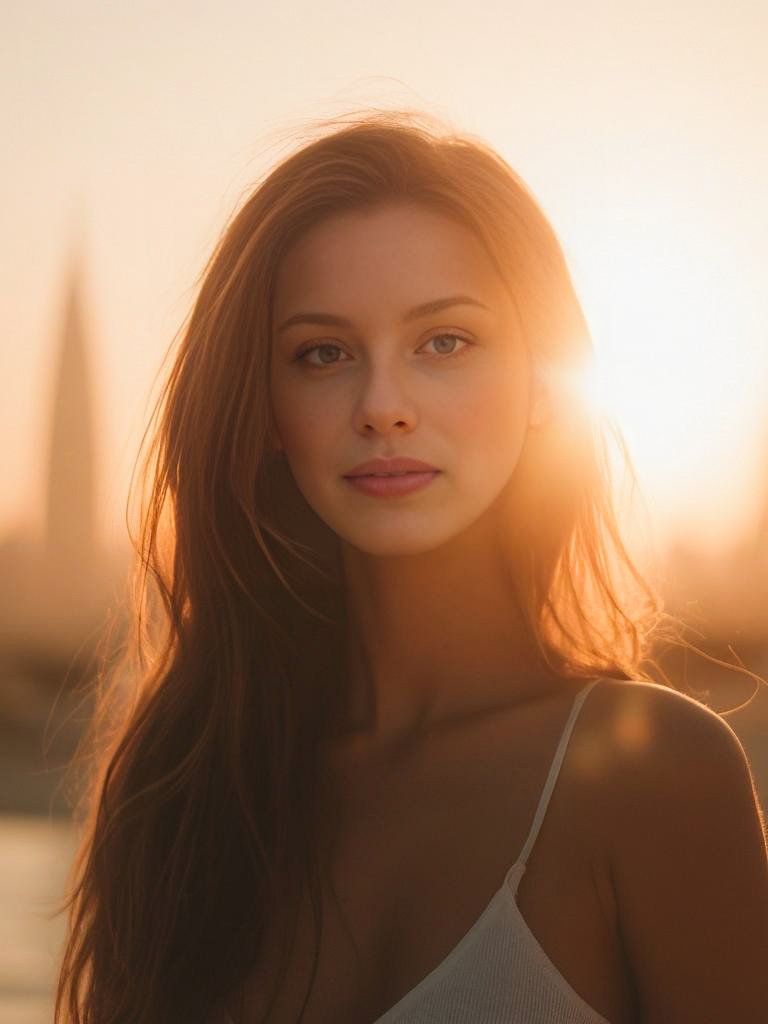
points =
(435, 638)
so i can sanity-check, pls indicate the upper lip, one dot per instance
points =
(396, 465)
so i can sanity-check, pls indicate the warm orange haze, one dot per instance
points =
(130, 141)
(641, 135)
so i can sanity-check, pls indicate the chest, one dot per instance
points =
(414, 853)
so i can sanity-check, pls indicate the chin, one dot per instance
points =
(398, 538)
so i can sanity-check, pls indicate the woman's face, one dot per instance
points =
(361, 375)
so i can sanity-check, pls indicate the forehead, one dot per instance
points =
(404, 253)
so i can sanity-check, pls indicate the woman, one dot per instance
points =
(395, 612)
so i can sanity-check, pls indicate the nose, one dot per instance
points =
(384, 403)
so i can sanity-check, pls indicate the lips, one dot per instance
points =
(395, 466)
(393, 485)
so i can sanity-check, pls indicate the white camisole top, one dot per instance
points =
(498, 973)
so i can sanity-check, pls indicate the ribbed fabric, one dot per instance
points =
(498, 973)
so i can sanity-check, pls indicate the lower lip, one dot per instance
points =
(391, 486)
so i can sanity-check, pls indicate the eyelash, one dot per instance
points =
(328, 344)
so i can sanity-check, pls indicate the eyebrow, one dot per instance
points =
(331, 320)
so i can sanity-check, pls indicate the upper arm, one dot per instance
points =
(690, 867)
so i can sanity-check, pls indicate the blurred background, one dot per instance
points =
(131, 132)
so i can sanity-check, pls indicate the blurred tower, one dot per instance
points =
(70, 501)
(55, 592)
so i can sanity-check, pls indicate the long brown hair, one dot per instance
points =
(205, 745)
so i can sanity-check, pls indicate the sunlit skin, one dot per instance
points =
(436, 632)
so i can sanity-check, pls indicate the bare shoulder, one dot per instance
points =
(659, 733)
(664, 763)
(687, 852)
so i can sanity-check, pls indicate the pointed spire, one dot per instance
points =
(70, 511)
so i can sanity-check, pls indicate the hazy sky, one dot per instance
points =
(639, 126)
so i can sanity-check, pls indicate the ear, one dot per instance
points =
(540, 409)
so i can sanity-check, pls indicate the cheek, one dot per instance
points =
(304, 423)
(496, 409)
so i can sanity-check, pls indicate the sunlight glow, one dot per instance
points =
(676, 336)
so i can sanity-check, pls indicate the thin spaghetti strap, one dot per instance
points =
(554, 771)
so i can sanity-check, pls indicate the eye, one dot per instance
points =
(450, 334)
(326, 345)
